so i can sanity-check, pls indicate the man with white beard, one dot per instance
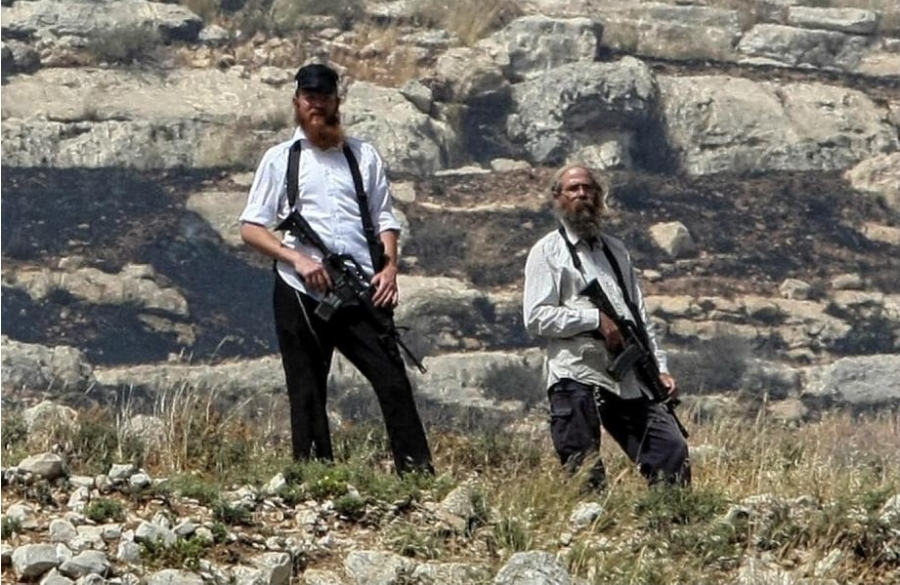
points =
(583, 341)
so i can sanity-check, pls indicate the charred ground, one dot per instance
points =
(751, 234)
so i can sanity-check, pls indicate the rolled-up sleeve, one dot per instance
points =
(381, 202)
(266, 192)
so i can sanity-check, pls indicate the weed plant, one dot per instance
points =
(105, 509)
(761, 489)
(9, 526)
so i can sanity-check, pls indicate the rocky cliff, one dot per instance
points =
(753, 150)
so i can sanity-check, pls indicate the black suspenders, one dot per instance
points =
(620, 280)
(293, 188)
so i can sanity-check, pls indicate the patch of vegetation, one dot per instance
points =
(663, 506)
(409, 540)
(219, 532)
(94, 445)
(182, 553)
(470, 20)
(231, 514)
(104, 509)
(350, 505)
(14, 431)
(191, 486)
(495, 449)
(291, 495)
(512, 534)
(9, 526)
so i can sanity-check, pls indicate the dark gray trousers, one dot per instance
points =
(646, 432)
(307, 344)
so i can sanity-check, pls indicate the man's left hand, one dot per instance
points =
(385, 283)
(669, 382)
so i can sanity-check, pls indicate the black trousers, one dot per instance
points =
(646, 432)
(307, 343)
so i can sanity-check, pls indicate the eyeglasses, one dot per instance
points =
(312, 97)
(576, 187)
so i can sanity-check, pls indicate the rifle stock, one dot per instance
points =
(636, 353)
(350, 287)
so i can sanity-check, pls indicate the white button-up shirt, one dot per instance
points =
(326, 198)
(554, 308)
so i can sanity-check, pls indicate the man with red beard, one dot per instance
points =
(583, 340)
(343, 193)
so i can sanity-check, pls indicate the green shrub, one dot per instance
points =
(230, 514)
(663, 506)
(289, 15)
(94, 446)
(103, 509)
(14, 432)
(291, 495)
(406, 539)
(219, 532)
(189, 486)
(182, 553)
(350, 505)
(327, 486)
(512, 534)
(9, 526)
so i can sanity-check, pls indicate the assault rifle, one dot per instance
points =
(349, 287)
(636, 353)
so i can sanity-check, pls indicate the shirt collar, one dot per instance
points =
(299, 134)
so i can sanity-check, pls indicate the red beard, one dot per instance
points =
(322, 132)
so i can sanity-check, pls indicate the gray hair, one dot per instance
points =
(601, 184)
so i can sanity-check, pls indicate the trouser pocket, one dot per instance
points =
(574, 423)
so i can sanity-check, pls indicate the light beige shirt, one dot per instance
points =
(554, 309)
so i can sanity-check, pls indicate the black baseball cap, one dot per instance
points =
(317, 78)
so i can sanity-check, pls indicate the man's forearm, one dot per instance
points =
(390, 238)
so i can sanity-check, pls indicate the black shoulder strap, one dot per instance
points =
(620, 278)
(293, 190)
(363, 200)
(617, 270)
(293, 173)
(572, 251)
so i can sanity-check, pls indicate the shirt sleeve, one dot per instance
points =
(381, 202)
(266, 193)
(544, 313)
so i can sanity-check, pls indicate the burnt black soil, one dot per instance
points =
(751, 232)
(112, 217)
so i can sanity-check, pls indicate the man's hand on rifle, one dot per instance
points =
(612, 337)
(312, 272)
(385, 285)
(669, 382)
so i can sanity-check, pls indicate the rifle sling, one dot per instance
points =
(620, 280)
(293, 191)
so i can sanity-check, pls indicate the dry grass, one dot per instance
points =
(376, 54)
(469, 20)
(818, 489)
